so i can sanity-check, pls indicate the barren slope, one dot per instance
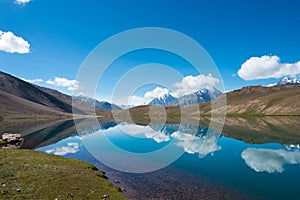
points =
(259, 100)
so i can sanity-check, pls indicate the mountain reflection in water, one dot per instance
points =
(261, 162)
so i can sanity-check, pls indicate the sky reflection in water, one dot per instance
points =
(234, 163)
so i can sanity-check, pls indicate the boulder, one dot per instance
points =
(12, 138)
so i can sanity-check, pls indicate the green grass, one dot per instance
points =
(2, 142)
(28, 174)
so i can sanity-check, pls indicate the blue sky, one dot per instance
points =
(62, 33)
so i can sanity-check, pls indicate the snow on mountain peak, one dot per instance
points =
(289, 81)
(197, 97)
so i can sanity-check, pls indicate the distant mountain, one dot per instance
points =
(103, 104)
(108, 106)
(22, 99)
(289, 81)
(166, 100)
(248, 101)
(200, 96)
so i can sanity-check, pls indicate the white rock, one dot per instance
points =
(9, 137)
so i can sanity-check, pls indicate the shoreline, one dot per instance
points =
(33, 174)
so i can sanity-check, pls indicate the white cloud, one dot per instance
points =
(271, 84)
(267, 67)
(22, 2)
(143, 131)
(72, 147)
(190, 84)
(156, 93)
(11, 43)
(133, 130)
(269, 160)
(157, 136)
(148, 96)
(138, 131)
(137, 100)
(63, 82)
(201, 145)
(38, 80)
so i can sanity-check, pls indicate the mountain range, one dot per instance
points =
(100, 104)
(289, 81)
(278, 100)
(197, 97)
(21, 99)
(204, 95)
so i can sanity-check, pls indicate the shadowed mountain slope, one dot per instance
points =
(19, 98)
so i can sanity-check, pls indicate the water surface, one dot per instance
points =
(212, 165)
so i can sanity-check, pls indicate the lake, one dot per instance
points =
(253, 158)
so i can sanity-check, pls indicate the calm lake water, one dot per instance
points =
(211, 166)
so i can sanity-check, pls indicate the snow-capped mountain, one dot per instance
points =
(102, 104)
(289, 81)
(200, 96)
(166, 100)
(292, 146)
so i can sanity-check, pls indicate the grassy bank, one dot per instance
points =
(28, 174)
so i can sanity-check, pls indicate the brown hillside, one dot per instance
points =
(259, 100)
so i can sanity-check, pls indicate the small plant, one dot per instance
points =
(92, 167)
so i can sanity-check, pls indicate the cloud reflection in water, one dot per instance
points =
(71, 147)
(270, 160)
